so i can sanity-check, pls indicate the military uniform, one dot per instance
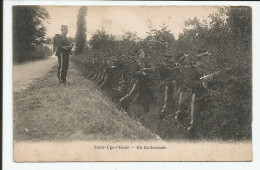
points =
(194, 87)
(140, 85)
(167, 72)
(119, 84)
(63, 52)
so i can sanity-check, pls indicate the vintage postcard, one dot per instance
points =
(132, 83)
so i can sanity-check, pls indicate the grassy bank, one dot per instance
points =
(78, 111)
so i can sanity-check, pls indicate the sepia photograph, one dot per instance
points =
(132, 83)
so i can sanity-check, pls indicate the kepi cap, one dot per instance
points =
(63, 26)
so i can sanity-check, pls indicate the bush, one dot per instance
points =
(40, 52)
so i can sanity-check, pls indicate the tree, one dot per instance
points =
(240, 23)
(81, 30)
(99, 39)
(158, 42)
(102, 41)
(28, 30)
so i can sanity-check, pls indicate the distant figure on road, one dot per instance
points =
(63, 52)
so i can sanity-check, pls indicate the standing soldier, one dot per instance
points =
(181, 92)
(195, 86)
(140, 84)
(167, 72)
(63, 52)
(109, 79)
(120, 81)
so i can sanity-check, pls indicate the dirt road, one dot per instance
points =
(25, 74)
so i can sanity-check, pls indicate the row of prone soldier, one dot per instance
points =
(134, 78)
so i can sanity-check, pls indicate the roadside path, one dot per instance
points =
(25, 74)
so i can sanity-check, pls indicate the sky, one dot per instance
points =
(118, 20)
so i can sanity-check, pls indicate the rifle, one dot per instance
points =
(213, 74)
(147, 69)
(160, 85)
(72, 48)
(69, 47)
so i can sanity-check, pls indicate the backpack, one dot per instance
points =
(56, 43)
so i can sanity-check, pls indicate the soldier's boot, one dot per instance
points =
(191, 128)
(123, 104)
(191, 132)
(58, 75)
(124, 101)
(162, 115)
(104, 82)
(101, 79)
(177, 114)
(179, 106)
(163, 111)
(63, 76)
(94, 76)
